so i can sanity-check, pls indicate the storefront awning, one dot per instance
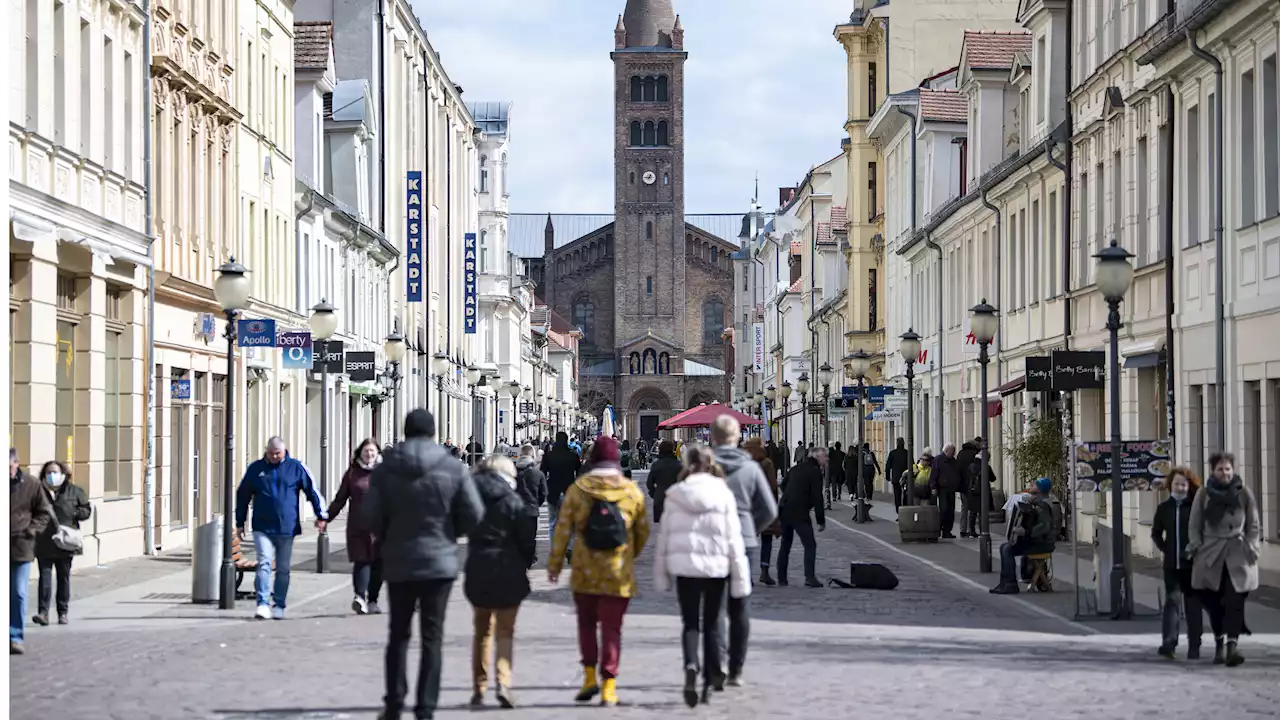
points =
(1145, 360)
(362, 389)
(1013, 386)
(995, 409)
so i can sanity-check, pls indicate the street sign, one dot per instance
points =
(1075, 370)
(256, 333)
(892, 402)
(180, 389)
(328, 355)
(884, 415)
(817, 407)
(526, 408)
(359, 366)
(849, 391)
(1039, 373)
(296, 349)
(843, 403)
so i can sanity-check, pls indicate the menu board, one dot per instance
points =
(1144, 465)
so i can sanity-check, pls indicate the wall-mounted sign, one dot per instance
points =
(360, 366)
(1144, 465)
(1039, 373)
(757, 347)
(1075, 370)
(256, 333)
(296, 349)
(413, 257)
(180, 389)
(328, 357)
(470, 269)
(526, 408)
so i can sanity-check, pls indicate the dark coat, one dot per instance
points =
(662, 475)
(771, 475)
(420, 501)
(946, 475)
(835, 466)
(1170, 531)
(531, 484)
(362, 543)
(801, 493)
(898, 462)
(870, 465)
(29, 515)
(71, 506)
(973, 488)
(561, 467)
(964, 458)
(501, 548)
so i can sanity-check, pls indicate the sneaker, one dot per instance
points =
(15, 648)
(505, 699)
(263, 613)
(691, 686)
(735, 681)
(1167, 651)
(62, 619)
(374, 609)
(40, 619)
(359, 605)
(277, 613)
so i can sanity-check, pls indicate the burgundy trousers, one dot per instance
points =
(602, 612)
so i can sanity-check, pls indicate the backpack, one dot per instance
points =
(606, 528)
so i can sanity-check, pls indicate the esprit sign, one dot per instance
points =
(413, 260)
(470, 310)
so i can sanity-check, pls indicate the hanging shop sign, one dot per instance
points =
(256, 333)
(413, 260)
(470, 309)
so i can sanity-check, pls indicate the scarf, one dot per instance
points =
(1222, 499)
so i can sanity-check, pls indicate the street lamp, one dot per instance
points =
(440, 363)
(231, 289)
(514, 390)
(1114, 275)
(785, 392)
(474, 377)
(394, 348)
(859, 365)
(770, 395)
(324, 321)
(909, 347)
(802, 385)
(824, 379)
(983, 321)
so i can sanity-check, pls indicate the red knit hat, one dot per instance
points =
(605, 452)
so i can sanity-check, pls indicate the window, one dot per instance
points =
(584, 317)
(1248, 161)
(1082, 234)
(712, 322)
(1140, 204)
(503, 170)
(745, 279)
(666, 179)
(871, 191)
(662, 88)
(1034, 270)
(484, 174)
(648, 285)
(650, 89)
(662, 133)
(633, 177)
(635, 88)
(715, 256)
(129, 81)
(484, 251)
(1052, 224)
(60, 14)
(1211, 167)
(871, 89)
(1192, 176)
(648, 230)
(65, 403)
(86, 84)
(650, 134)
(116, 453)
(1042, 85)
(1117, 202)
(1271, 139)
(871, 299)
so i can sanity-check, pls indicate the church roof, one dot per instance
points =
(526, 232)
(649, 23)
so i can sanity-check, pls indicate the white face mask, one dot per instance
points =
(54, 479)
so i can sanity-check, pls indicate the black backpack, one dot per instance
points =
(606, 528)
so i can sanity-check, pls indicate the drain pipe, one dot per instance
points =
(149, 472)
(928, 240)
(938, 393)
(1219, 317)
(1171, 380)
(997, 239)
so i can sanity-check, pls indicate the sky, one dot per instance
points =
(764, 92)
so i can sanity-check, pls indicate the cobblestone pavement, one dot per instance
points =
(933, 648)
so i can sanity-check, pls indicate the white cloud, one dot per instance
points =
(764, 91)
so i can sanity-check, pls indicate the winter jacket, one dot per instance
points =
(29, 515)
(1170, 531)
(870, 465)
(968, 453)
(273, 489)
(973, 488)
(946, 475)
(420, 501)
(800, 454)
(501, 548)
(531, 484)
(1234, 542)
(600, 572)
(702, 537)
(759, 454)
(920, 486)
(362, 544)
(1039, 537)
(756, 505)
(70, 506)
(835, 467)
(802, 492)
(897, 462)
(561, 467)
(662, 475)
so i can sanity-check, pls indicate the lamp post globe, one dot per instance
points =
(909, 346)
(513, 389)
(394, 347)
(440, 363)
(786, 390)
(1115, 271)
(324, 320)
(232, 287)
(473, 375)
(802, 384)
(770, 393)
(982, 322)
(825, 374)
(860, 363)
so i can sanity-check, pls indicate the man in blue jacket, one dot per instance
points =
(273, 484)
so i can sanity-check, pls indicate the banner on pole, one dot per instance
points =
(757, 347)
(413, 254)
(470, 310)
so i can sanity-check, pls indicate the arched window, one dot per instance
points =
(662, 133)
(650, 89)
(648, 230)
(666, 179)
(608, 243)
(503, 169)
(584, 317)
(635, 88)
(650, 134)
(633, 178)
(636, 138)
(484, 174)
(715, 256)
(662, 88)
(648, 285)
(712, 322)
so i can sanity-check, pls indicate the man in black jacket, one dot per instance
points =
(531, 484)
(420, 500)
(898, 462)
(802, 493)
(1169, 532)
(945, 481)
(664, 473)
(561, 467)
(969, 510)
(835, 474)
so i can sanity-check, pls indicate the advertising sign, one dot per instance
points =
(256, 333)
(413, 258)
(757, 347)
(180, 389)
(1039, 373)
(360, 366)
(470, 270)
(296, 347)
(1074, 370)
(328, 356)
(1144, 465)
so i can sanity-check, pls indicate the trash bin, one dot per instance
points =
(206, 562)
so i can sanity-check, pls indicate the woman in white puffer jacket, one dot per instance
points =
(700, 546)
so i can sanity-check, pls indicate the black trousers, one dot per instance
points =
(1226, 607)
(700, 600)
(48, 566)
(735, 625)
(366, 578)
(805, 530)
(432, 598)
(1180, 600)
(947, 510)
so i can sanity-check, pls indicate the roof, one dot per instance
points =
(992, 49)
(311, 44)
(839, 216)
(943, 106)
(492, 116)
(795, 286)
(796, 247)
(526, 232)
(824, 233)
(649, 23)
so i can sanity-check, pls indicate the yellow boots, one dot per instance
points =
(591, 687)
(609, 695)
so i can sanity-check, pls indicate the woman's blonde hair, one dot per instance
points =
(500, 464)
(700, 459)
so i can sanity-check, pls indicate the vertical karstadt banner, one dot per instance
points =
(413, 259)
(470, 310)
(757, 348)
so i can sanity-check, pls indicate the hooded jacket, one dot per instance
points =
(501, 547)
(531, 484)
(273, 489)
(29, 515)
(964, 458)
(702, 536)
(600, 572)
(897, 462)
(662, 475)
(751, 491)
(561, 467)
(70, 506)
(420, 501)
(947, 475)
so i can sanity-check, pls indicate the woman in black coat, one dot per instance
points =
(500, 551)
(71, 507)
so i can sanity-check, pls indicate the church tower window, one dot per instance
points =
(712, 322)
(648, 285)
(650, 134)
(635, 88)
(662, 88)
(636, 138)
(662, 133)
(648, 230)
(650, 89)
(584, 316)
(633, 177)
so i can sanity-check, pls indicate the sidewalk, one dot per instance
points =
(959, 557)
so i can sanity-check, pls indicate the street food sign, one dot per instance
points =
(470, 310)
(1144, 465)
(413, 260)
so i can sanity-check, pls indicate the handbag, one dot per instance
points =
(68, 539)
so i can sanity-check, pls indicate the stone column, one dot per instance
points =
(35, 353)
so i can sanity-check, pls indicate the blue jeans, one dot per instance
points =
(19, 576)
(274, 552)
(1009, 563)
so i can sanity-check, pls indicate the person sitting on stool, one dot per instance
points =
(1031, 533)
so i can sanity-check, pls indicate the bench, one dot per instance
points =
(1041, 573)
(243, 565)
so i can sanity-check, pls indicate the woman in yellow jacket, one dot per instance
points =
(920, 477)
(606, 514)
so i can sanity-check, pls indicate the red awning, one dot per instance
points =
(1012, 386)
(995, 408)
(703, 416)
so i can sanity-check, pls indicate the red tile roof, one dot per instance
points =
(992, 50)
(311, 45)
(824, 233)
(796, 247)
(795, 286)
(839, 216)
(943, 106)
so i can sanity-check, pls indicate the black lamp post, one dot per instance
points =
(514, 390)
(770, 394)
(859, 365)
(785, 392)
(394, 348)
(440, 363)
(825, 374)
(475, 378)
(802, 387)
(231, 289)
(909, 347)
(1114, 275)
(324, 321)
(982, 322)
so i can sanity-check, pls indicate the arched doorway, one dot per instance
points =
(645, 411)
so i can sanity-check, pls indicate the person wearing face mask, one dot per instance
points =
(70, 507)
(1224, 547)
(362, 544)
(1170, 533)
